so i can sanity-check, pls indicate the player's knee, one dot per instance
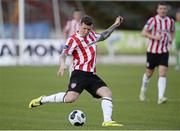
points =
(149, 72)
(162, 74)
(104, 92)
(109, 94)
(149, 75)
(70, 98)
(162, 71)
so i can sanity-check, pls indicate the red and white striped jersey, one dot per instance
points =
(164, 26)
(83, 50)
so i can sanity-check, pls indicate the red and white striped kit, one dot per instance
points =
(164, 26)
(83, 50)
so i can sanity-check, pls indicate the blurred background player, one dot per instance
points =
(160, 31)
(70, 28)
(177, 39)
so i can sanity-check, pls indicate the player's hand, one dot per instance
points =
(158, 37)
(61, 70)
(118, 20)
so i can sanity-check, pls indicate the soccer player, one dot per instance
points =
(82, 47)
(177, 40)
(160, 31)
(72, 27)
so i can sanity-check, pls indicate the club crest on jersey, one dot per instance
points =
(73, 85)
(88, 45)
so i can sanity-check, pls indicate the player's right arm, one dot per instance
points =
(146, 32)
(104, 35)
(62, 66)
(67, 50)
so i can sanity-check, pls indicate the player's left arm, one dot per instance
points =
(172, 32)
(104, 35)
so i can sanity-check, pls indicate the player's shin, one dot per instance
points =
(161, 86)
(145, 81)
(59, 97)
(106, 105)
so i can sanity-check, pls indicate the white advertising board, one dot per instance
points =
(34, 52)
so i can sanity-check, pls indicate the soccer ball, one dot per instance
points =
(77, 118)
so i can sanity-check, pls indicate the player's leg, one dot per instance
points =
(107, 106)
(58, 97)
(150, 65)
(71, 96)
(61, 97)
(162, 84)
(163, 68)
(106, 102)
(146, 78)
(75, 88)
(98, 89)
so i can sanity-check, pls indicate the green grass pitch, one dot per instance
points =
(18, 85)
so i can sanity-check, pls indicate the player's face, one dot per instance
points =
(77, 15)
(162, 10)
(84, 29)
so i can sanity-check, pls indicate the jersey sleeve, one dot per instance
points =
(96, 35)
(149, 24)
(69, 47)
